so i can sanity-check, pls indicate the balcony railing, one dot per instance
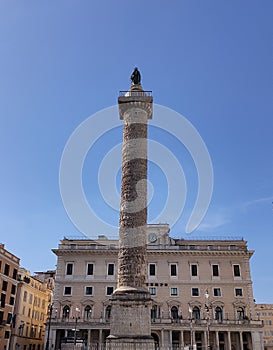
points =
(183, 322)
(135, 93)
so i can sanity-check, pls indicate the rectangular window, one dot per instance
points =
(90, 269)
(236, 270)
(1, 316)
(4, 286)
(25, 296)
(110, 269)
(152, 290)
(67, 290)
(195, 292)
(173, 270)
(30, 298)
(69, 269)
(13, 289)
(174, 291)
(6, 270)
(238, 292)
(9, 318)
(109, 290)
(11, 300)
(3, 300)
(194, 270)
(88, 290)
(215, 270)
(151, 269)
(14, 275)
(216, 292)
(7, 334)
(20, 330)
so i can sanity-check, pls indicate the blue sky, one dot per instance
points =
(209, 60)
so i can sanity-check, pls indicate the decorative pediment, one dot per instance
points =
(193, 303)
(65, 302)
(106, 302)
(173, 303)
(87, 301)
(216, 303)
(239, 303)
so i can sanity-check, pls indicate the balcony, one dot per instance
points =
(135, 93)
(166, 322)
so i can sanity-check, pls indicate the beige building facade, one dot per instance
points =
(265, 313)
(9, 265)
(201, 290)
(34, 295)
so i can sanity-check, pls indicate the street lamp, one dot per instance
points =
(49, 324)
(75, 330)
(208, 317)
(190, 311)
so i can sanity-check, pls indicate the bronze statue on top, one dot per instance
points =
(136, 77)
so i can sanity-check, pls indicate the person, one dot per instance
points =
(135, 77)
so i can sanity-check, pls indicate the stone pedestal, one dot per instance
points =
(130, 318)
(130, 344)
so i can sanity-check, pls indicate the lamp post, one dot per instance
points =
(75, 331)
(49, 324)
(208, 318)
(190, 311)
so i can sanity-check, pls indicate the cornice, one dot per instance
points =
(200, 253)
(106, 252)
(246, 254)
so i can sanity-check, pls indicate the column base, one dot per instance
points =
(131, 316)
(126, 343)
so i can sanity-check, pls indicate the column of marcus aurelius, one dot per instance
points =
(130, 322)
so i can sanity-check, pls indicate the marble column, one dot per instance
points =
(162, 337)
(182, 339)
(217, 339)
(228, 341)
(241, 341)
(131, 301)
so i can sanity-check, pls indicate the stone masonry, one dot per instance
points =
(131, 301)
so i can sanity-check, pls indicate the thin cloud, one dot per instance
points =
(214, 221)
(259, 200)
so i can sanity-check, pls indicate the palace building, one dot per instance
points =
(9, 265)
(34, 295)
(201, 293)
(265, 313)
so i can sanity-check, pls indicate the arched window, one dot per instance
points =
(196, 313)
(240, 313)
(108, 313)
(174, 313)
(156, 340)
(218, 313)
(66, 311)
(87, 312)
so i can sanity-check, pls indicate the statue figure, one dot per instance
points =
(135, 77)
